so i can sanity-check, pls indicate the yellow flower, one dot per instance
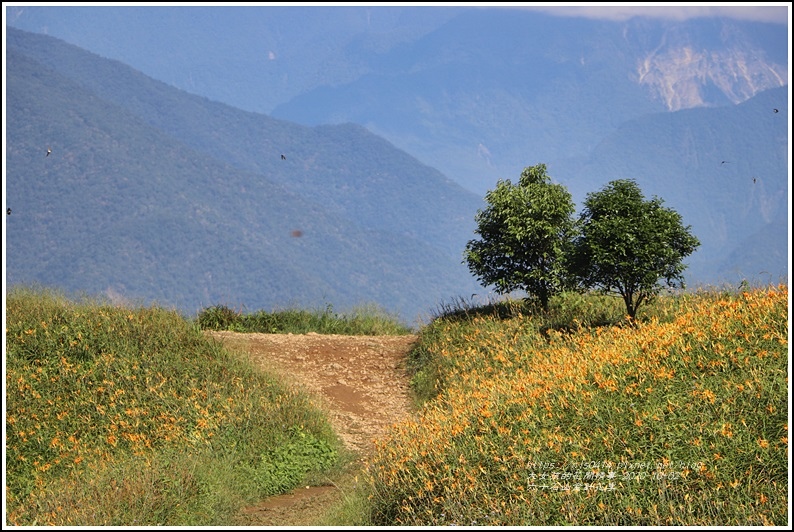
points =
(708, 395)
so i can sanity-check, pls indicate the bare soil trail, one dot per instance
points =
(359, 380)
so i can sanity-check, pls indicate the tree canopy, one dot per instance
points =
(628, 244)
(621, 242)
(525, 232)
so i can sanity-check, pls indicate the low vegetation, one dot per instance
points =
(366, 320)
(564, 416)
(118, 416)
(556, 419)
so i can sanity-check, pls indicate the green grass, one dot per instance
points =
(367, 320)
(119, 416)
(562, 418)
(130, 416)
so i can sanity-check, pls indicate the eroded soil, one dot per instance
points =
(359, 380)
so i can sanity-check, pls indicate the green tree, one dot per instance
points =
(525, 233)
(627, 245)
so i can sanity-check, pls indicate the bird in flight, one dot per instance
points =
(49, 151)
(283, 157)
(775, 110)
(753, 180)
(723, 162)
(8, 211)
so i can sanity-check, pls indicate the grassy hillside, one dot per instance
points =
(682, 421)
(120, 416)
(130, 416)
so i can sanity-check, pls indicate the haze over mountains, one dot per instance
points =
(152, 193)
(491, 89)
(474, 95)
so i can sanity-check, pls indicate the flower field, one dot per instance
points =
(131, 417)
(682, 420)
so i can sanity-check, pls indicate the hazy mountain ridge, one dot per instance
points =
(473, 92)
(103, 201)
(369, 212)
(123, 208)
(679, 158)
(321, 163)
(264, 64)
(489, 89)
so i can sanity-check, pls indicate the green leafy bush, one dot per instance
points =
(217, 318)
(284, 467)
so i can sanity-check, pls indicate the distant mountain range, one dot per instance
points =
(737, 208)
(476, 95)
(250, 57)
(492, 90)
(151, 193)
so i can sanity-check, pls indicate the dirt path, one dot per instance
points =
(359, 380)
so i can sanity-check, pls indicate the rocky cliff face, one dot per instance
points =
(726, 67)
